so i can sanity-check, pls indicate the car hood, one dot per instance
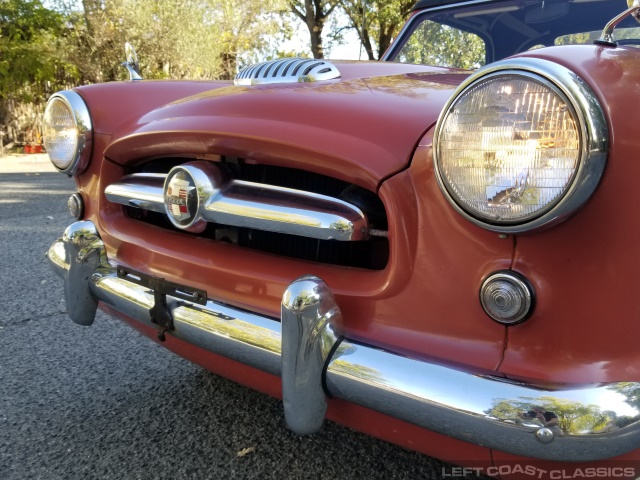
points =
(362, 127)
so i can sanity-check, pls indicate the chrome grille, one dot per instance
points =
(140, 193)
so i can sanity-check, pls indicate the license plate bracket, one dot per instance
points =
(161, 288)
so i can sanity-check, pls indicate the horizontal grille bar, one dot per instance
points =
(258, 206)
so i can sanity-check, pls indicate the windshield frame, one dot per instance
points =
(494, 47)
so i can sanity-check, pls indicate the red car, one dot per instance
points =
(438, 249)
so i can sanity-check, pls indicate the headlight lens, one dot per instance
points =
(511, 146)
(67, 132)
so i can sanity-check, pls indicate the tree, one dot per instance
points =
(631, 392)
(166, 35)
(572, 416)
(433, 43)
(28, 41)
(246, 30)
(32, 65)
(199, 39)
(377, 22)
(314, 14)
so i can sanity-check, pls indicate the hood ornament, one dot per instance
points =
(131, 63)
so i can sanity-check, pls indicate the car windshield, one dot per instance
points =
(471, 34)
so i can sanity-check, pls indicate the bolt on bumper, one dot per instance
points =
(307, 348)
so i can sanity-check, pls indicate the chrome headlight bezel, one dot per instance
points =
(592, 128)
(79, 160)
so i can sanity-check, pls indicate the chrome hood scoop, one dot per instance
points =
(287, 70)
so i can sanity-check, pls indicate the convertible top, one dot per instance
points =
(421, 4)
(432, 3)
(512, 26)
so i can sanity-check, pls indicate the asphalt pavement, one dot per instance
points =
(103, 402)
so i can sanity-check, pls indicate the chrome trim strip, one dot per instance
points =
(479, 409)
(253, 205)
(285, 210)
(593, 129)
(139, 190)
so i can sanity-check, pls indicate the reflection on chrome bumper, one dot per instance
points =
(308, 350)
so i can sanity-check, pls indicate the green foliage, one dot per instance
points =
(436, 44)
(72, 42)
(377, 23)
(29, 38)
(199, 39)
(588, 37)
(630, 391)
(25, 20)
(81, 41)
(572, 416)
(576, 39)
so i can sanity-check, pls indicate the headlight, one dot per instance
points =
(67, 132)
(521, 144)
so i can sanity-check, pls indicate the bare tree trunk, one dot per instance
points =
(385, 38)
(89, 8)
(314, 14)
(315, 32)
(366, 43)
(229, 65)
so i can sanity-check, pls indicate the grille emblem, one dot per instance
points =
(186, 190)
(181, 198)
(177, 194)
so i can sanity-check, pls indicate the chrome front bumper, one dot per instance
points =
(306, 347)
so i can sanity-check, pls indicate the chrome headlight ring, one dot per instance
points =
(68, 132)
(591, 151)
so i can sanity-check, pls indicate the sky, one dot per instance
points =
(350, 50)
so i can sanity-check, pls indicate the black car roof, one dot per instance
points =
(434, 3)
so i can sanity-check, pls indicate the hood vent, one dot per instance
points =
(287, 70)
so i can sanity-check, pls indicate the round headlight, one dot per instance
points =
(521, 144)
(67, 132)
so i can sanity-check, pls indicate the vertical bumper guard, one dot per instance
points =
(311, 330)
(83, 252)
